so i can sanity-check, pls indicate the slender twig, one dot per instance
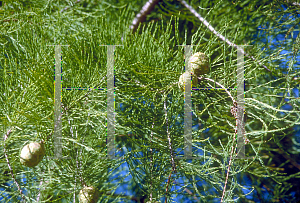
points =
(202, 78)
(232, 148)
(168, 186)
(224, 189)
(41, 183)
(188, 191)
(237, 122)
(151, 159)
(141, 16)
(76, 171)
(10, 169)
(218, 34)
(293, 162)
(233, 111)
(80, 165)
(170, 148)
(169, 139)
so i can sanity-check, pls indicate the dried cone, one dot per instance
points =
(32, 154)
(199, 64)
(88, 195)
(184, 77)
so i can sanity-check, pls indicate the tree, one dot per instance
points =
(149, 65)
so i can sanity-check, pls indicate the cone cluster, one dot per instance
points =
(199, 66)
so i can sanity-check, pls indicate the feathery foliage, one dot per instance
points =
(147, 68)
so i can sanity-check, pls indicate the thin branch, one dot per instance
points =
(167, 188)
(151, 159)
(11, 171)
(171, 151)
(232, 148)
(218, 34)
(169, 139)
(234, 113)
(141, 16)
(188, 191)
(237, 122)
(80, 165)
(202, 78)
(293, 162)
(71, 130)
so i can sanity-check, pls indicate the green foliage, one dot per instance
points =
(147, 68)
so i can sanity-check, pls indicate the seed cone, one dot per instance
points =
(32, 154)
(184, 77)
(199, 64)
(88, 195)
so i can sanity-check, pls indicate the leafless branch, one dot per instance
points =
(232, 148)
(167, 188)
(169, 139)
(218, 34)
(237, 120)
(141, 16)
(151, 160)
(170, 148)
(41, 182)
(293, 162)
(10, 169)
(188, 191)
(202, 78)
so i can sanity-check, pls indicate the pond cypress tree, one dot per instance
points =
(149, 129)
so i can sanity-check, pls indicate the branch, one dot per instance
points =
(171, 151)
(71, 130)
(39, 195)
(11, 171)
(228, 169)
(202, 78)
(168, 186)
(141, 16)
(237, 122)
(293, 162)
(151, 159)
(218, 34)
(169, 139)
